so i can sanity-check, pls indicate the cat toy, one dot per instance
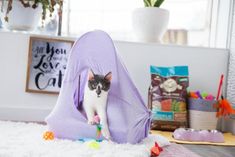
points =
(48, 135)
(93, 144)
(223, 106)
(155, 150)
(98, 128)
(98, 133)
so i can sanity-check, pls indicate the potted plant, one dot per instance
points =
(25, 14)
(150, 22)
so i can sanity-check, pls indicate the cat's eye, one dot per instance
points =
(94, 84)
(105, 86)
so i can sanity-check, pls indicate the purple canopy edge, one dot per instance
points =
(128, 116)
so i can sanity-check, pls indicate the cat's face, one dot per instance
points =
(99, 83)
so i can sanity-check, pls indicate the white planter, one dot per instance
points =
(150, 23)
(21, 18)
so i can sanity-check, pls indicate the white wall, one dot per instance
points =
(14, 102)
(230, 124)
(205, 64)
(205, 67)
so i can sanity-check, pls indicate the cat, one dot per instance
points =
(95, 99)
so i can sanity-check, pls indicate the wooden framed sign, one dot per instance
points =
(47, 61)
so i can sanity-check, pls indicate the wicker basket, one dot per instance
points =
(202, 114)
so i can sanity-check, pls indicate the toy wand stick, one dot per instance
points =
(220, 86)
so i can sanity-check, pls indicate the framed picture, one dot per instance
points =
(47, 61)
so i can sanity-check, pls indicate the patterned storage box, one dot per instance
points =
(202, 114)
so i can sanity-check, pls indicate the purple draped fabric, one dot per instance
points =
(128, 116)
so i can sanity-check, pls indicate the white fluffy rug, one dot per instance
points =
(25, 140)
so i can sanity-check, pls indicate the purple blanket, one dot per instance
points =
(128, 116)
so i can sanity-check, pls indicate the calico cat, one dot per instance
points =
(95, 99)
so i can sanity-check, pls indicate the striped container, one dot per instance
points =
(202, 114)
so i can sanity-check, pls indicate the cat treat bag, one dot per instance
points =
(167, 97)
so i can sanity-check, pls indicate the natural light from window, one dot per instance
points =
(193, 17)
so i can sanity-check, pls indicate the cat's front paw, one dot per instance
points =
(90, 122)
(106, 134)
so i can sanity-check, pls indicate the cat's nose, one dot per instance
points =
(98, 90)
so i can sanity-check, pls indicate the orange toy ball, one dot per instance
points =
(48, 135)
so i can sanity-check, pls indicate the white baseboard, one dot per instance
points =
(24, 114)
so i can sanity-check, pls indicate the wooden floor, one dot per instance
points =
(228, 138)
(226, 149)
(211, 151)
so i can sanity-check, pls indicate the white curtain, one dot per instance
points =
(228, 124)
(231, 73)
(231, 77)
(115, 17)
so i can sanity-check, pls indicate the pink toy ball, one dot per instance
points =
(96, 119)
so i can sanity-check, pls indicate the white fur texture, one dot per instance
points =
(25, 140)
(96, 105)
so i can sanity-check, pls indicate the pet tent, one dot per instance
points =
(127, 114)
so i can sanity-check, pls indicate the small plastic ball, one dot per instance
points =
(96, 119)
(48, 135)
(93, 145)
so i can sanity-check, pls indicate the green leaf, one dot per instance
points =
(147, 3)
(158, 3)
(152, 2)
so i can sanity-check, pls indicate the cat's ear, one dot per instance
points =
(108, 76)
(90, 75)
